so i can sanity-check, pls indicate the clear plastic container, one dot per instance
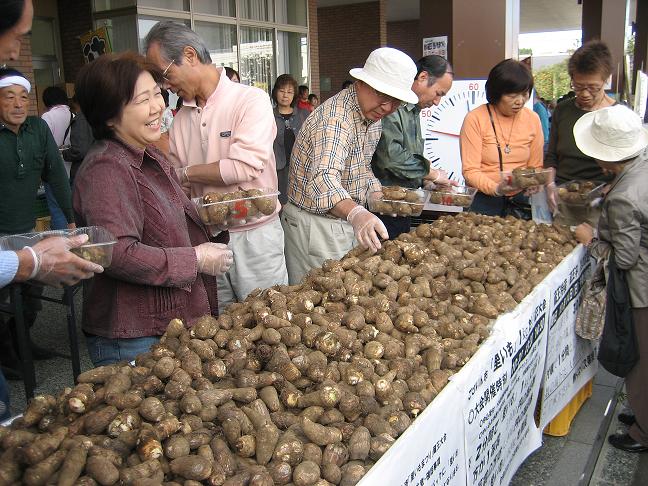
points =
(524, 177)
(98, 249)
(579, 193)
(397, 201)
(453, 196)
(233, 209)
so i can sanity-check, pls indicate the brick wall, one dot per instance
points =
(24, 65)
(313, 54)
(347, 34)
(404, 35)
(75, 19)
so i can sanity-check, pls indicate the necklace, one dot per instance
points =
(507, 146)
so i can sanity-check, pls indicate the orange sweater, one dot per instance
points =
(479, 158)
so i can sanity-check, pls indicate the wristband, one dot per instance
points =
(36, 262)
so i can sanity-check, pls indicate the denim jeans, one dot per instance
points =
(105, 351)
(58, 221)
(4, 398)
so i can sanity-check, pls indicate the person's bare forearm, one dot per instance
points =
(341, 209)
(203, 174)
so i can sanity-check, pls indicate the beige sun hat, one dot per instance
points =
(611, 134)
(389, 71)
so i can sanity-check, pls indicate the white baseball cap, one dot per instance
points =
(611, 134)
(389, 71)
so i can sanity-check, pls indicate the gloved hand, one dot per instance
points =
(367, 228)
(552, 197)
(213, 258)
(438, 177)
(55, 265)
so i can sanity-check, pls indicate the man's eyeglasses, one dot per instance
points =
(166, 70)
(591, 89)
(386, 99)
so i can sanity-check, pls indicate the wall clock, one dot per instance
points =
(441, 124)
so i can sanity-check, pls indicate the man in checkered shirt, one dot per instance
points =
(330, 166)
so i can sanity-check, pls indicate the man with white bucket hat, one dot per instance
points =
(616, 139)
(330, 167)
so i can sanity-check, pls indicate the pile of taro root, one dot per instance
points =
(303, 385)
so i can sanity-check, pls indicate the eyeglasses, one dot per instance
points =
(386, 99)
(590, 89)
(166, 70)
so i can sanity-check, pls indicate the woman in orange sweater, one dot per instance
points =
(501, 135)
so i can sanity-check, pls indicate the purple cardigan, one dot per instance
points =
(153, 276)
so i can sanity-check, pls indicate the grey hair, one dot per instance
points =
(173, 37)
(435, 66)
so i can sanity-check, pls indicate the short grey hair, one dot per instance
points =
(173, 37)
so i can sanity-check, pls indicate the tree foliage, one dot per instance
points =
(552, 81)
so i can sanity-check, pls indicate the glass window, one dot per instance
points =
(122, 32)
(257, 10)
(225, 8)
(146, 23)
(292, 12)
(257, 67)
(102, 5)
(167, 4)
(43, 40)
(292, 55)
(221, 42)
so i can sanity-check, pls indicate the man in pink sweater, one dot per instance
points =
(222, 141)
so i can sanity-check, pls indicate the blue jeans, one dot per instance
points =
(4, 398)
(59, 221)
(105, 351)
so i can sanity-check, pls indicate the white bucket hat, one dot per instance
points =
(389, 71)
(611, 134)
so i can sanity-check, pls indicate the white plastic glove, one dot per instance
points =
(55, 265)
(214, 258)
(367, 228)
(552, 197)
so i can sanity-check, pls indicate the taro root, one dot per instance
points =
(303, 384)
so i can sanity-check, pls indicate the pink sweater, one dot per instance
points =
(237, 127)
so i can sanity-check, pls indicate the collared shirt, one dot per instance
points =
(331, 159)
(25, 159)
(153, 276)
(8, 267)
(236, 127)
(58, 119)
(399, 159)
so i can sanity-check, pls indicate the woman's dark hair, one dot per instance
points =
(12, 10)
(230, 73)
(302, 89)
(165, 95)
(106, 85)
(435, 66)
(593, 57)
(53, 95)
(285, 80)
(312, 97)
(508, 77)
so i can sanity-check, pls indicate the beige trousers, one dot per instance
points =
(311, 239)
(258, 262)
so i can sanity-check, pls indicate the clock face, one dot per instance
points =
(441, 125)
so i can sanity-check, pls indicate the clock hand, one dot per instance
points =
(445, 133)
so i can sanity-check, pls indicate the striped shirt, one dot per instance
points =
(8, 267)
(331, 159)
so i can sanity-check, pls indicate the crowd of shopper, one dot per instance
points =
(136, 164)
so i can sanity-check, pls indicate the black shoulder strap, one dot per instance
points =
(499, 149)
(67, 130)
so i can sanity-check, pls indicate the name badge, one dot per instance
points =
(226, 134)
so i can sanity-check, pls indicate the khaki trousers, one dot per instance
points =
(311, 239)
(258, 262)
(637, 380)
